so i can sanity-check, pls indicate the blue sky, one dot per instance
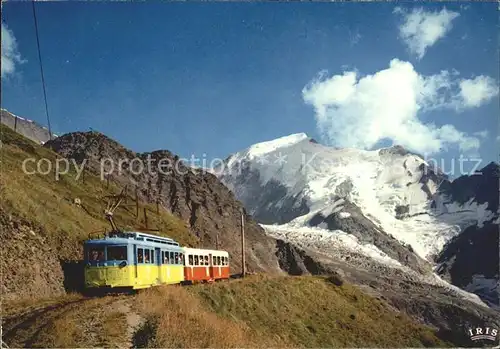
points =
(214, 78)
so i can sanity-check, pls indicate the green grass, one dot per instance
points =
(263, 311)
(47, 203)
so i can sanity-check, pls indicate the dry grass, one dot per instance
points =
(28, 304)
(263, 311)
(62, 333)
(312, 312)
(87, 323)
(114, 329)
(177, 318)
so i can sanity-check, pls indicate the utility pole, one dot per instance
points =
(243, 266)
(136, 203)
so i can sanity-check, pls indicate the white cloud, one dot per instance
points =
(10, 55)
(421, 29)
(354, 111)
(481, 134)
(476, 91)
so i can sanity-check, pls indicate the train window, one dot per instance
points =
(226, 261)
(117, 253)
(176, 258)
(96, 254)
(218, 260)
(206, 260)
(190, 259)
(181, 258)
(196, 260)
(166, 260)
(172, 258)
(147, 258)
(153, 256)
(214, 260)
(140, 255)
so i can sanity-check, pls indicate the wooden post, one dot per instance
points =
(243, 266)
(157, 206)
(15, 123)
(217, 241)
(136, 202)
(145, 218)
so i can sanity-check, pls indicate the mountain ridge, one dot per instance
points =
(401, 194)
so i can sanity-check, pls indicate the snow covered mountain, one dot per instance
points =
(388, 204)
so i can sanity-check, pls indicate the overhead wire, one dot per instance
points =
(41, 69)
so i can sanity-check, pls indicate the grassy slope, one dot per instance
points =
(48, 204)
(263, 311)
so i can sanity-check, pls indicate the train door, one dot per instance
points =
(219, 270)
(211, 266)
(207, 267)
(157, 263)
(135, 261)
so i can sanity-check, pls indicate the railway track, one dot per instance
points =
(37, 326)
(28, 327)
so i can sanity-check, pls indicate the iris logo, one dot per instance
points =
(479, 333)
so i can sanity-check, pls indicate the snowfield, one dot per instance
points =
(288, 181)
(336, 243)
(341, 245)
(378, 182)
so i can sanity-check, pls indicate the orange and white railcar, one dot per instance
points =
(205, 265)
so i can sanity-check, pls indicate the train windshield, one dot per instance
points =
(117, 253)
(96, 254)
(114, 253)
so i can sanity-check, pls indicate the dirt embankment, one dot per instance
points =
(30, 267)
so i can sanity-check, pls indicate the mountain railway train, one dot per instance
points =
(134, 260)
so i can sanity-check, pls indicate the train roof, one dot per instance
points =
(204, 251)
(135, 237)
